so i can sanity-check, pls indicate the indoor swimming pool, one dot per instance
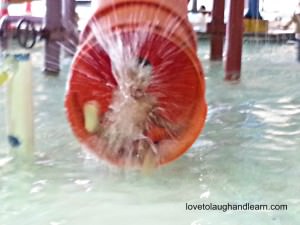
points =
(247, 153)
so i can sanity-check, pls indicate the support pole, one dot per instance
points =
(28, 8)
(217, 30)
(3, 8)
(4, 33)
(70, 27)
(195, 6)
(253, 10)
(53, 23)
(298, 50)
(235, 41)
(4, 25)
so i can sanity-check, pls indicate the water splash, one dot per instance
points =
(145, 103)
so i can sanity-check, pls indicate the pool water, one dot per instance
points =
(247, 153)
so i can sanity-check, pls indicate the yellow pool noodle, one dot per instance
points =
(20, 106)
(91, 116)
(3, 78)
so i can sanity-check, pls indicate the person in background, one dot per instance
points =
(202, 9)
(202, 19)
(295, 19)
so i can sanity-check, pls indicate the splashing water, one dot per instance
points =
(145, 86)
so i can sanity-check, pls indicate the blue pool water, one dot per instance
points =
(247, 153)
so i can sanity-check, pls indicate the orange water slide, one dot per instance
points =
(137, 65)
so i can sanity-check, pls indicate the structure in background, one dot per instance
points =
(238, 24)
(62, 32)
(58, 29)
(217, 30)
(55, 33)
(3, 8)
(253, 21)
(235, 41)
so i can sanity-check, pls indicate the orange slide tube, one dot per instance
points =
(138, 65)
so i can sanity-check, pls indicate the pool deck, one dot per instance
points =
(273, 35)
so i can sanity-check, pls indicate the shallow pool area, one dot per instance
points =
(247, 153)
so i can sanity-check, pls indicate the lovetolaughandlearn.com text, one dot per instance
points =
(234, 207)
